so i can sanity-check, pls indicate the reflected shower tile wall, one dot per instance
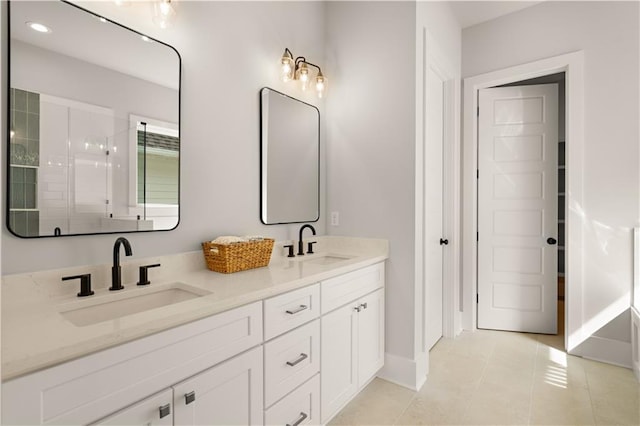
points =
(25, 123)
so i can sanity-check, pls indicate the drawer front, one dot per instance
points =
(290, 310)
(291, 360)
(300, 407)
(348, 287)
(87, 389)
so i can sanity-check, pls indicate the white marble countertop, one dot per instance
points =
(35, 335)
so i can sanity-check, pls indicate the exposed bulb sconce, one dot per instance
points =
(163, 13)
(298, 69)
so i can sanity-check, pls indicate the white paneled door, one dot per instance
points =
(518, 208)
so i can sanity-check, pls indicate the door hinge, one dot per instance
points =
(478, 111)
(478, 174)
(108, 153)
(477, 236)
(477, 298)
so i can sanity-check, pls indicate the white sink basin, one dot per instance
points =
(327, 259)
(110, 307)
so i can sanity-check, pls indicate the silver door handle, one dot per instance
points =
(299, 420)
(298, 360)
(295, 311)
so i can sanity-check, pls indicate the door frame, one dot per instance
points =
(572, 64)
(430, 54)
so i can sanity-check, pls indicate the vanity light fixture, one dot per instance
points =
(298, 69)
(37, 26)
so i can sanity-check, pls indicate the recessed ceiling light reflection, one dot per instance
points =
(36, 26)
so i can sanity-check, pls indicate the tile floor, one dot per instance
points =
(502, 378)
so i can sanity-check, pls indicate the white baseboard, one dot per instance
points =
(611, 351)
(404, 371)
(635, 342)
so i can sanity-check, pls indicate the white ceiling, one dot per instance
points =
(470, 13)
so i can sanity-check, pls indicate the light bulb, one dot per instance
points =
(321, 84)
(286, 66)
(163, 13)
(303, 76)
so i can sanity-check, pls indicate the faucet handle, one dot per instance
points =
(310, 247)
(290, 247)
(144, 274)
(85, 284)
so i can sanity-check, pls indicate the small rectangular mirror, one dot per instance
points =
(94, 116)
(290, 159)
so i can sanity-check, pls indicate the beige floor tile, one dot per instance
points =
(617, 409)
(456, 372)
(435, 407)
(554, 405)
(380, 403)
(498, 404)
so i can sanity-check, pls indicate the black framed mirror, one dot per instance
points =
(94, 125)
(289, 159)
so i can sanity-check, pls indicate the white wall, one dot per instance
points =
(229, 51)
(608, 34)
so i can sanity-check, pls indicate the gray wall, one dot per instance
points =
(371, 142)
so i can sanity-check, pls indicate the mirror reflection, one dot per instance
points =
(94, 142)
(290, 159)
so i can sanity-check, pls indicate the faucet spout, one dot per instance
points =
(300, 243)
(116, 270)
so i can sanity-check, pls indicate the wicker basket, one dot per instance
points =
(229, 258)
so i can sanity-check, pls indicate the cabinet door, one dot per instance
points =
(227, 394)
(370, 336)
(338, 360)
(153, 411)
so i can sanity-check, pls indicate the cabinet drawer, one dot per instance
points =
(290, 360)
(290, 310)
(300, 407)
(157, 410)
(89, 388)
(348, 287)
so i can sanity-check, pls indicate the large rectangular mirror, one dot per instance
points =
(94, 116)
(290, 159)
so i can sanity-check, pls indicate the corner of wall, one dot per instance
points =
(410, 373)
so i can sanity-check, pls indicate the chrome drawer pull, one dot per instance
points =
(165, 410)
(300, 309)
(300, 419)
(363, 305)
(301, 358)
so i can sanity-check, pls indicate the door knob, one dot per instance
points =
(444, 242)
(551, 241)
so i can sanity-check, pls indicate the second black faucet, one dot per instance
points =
(300, 243)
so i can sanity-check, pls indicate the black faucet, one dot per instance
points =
(300, 244)
(116, 271)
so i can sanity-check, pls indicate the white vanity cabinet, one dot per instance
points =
(352, 335)
(94, 387)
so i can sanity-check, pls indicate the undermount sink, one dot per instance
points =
(110, 307)
(327, 259)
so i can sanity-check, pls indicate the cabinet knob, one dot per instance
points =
(189, 397)
(363, 305)
(165, 410)
(357, 308)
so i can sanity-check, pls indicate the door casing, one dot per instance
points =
(572, 64)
